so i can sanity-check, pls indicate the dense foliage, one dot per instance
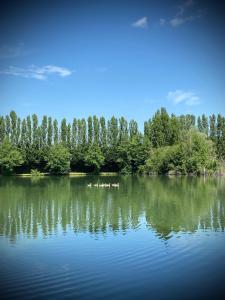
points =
(169, 144)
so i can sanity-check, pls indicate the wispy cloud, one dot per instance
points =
(141, 23)
(162, 22)
(7, 51)
(184, 6)
(188, 98)
(36, 72)
(185, 12)
(101, 69)
(177, 21)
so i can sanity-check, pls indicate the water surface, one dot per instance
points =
(151, 238)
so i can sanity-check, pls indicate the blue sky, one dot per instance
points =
(80, 58)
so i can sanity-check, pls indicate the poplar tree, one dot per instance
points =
(165, 124)
(29, 131)
(222, 142)
(63, 131)
(44, 125)
(96, 130)
(175, 130)
(35, 129)
(8, 127)
(24, 134)
(103, 133)
(133, 129)
(13, 124)
(90, 130)
(83, 132)
(205, 125)
(2, 129)
(56, 133)
(212, 120)
(74, 133)
(68, 138)
(199, 124)
(219, 134)
(147, 129)
(79, 132)
(18, 132)
(123, 130)
(50, 131)
(113, 132)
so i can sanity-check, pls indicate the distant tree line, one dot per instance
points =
(169, 144)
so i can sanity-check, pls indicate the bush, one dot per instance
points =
(193, 155)
(94, 158)
(35, 172)
(58, 160)
(10, 157)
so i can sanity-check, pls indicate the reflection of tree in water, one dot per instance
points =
(45, 206)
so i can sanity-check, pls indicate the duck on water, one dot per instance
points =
(104, 185)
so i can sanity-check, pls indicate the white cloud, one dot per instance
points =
(177, 21)
(184, 6)
(188, 98)
(162, 22)
(183, 14)
(101, 69)
(7, 51)
(36, 72)
(141, 23)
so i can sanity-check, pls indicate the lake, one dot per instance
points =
(149, 238)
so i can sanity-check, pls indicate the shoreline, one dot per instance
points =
(83, 174)
(71, 174)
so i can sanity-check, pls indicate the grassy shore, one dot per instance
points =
(71, 174)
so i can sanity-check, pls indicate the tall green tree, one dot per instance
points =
(63, 132)
(44, 126)
(74, 133)
(175, 130)
(10, 157)
(18, 132)
(68, 137)
(96, 130)
(29, 131)
(113, 132)
(133, 129)
(199, 121)
(205, 125)
(83, 132)
(94, 158)
(50, 131)
(103, 133)
(56, 132)
(90, 130)
(8, 127)
(35, 130)
(13, 124)
(24, 134)
(58, 159)
(2, 129)
(212, 119)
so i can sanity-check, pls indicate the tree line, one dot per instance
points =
(169, 144)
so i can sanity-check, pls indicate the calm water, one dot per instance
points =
(151, 238)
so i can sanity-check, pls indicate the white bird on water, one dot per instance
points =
(104, 185)
(115, 184)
